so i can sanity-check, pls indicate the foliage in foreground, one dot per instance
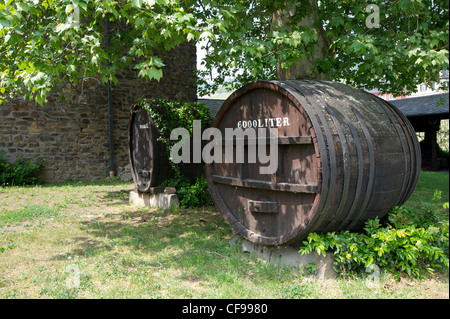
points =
(410, 241)
(20, 172)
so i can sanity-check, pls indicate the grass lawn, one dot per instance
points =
(428, 183)
(85, 240)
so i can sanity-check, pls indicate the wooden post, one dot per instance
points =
(431, 142)
(434, 149)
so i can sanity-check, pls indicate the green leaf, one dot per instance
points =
(137, 3)
(306, 38)
(94, 60)
(24, 6)
(80, 4)
(206, 35)
(71, 68)
(150, 3)
(190, 37)
(5, 22)
(69, 9)
(153, 73)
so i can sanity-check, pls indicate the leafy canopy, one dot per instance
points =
(409, 47)
(45, 44)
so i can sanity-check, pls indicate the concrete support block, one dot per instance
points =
(159, 200)
(288, 255)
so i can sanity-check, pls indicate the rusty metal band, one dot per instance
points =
(360, 177)
(341, 216)
(338, 213)
(323, 208)
(390, 109)
(361, 209)
(414, 160)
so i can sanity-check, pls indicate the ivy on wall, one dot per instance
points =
(168, 115)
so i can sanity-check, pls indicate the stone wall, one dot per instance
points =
(72, 135)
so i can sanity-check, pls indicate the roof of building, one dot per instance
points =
(436, 104)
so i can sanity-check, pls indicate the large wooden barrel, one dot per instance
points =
(344, 156)
(149, 162)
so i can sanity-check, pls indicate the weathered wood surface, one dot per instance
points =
(149, 162)
(345, 157)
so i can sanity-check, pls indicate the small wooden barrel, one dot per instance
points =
(344, 156)
(149, 162)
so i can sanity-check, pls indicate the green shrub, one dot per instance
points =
(191, 195)
(20, 172)
(195, 195)
(411, 241)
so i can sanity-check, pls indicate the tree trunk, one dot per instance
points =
(304, 69)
